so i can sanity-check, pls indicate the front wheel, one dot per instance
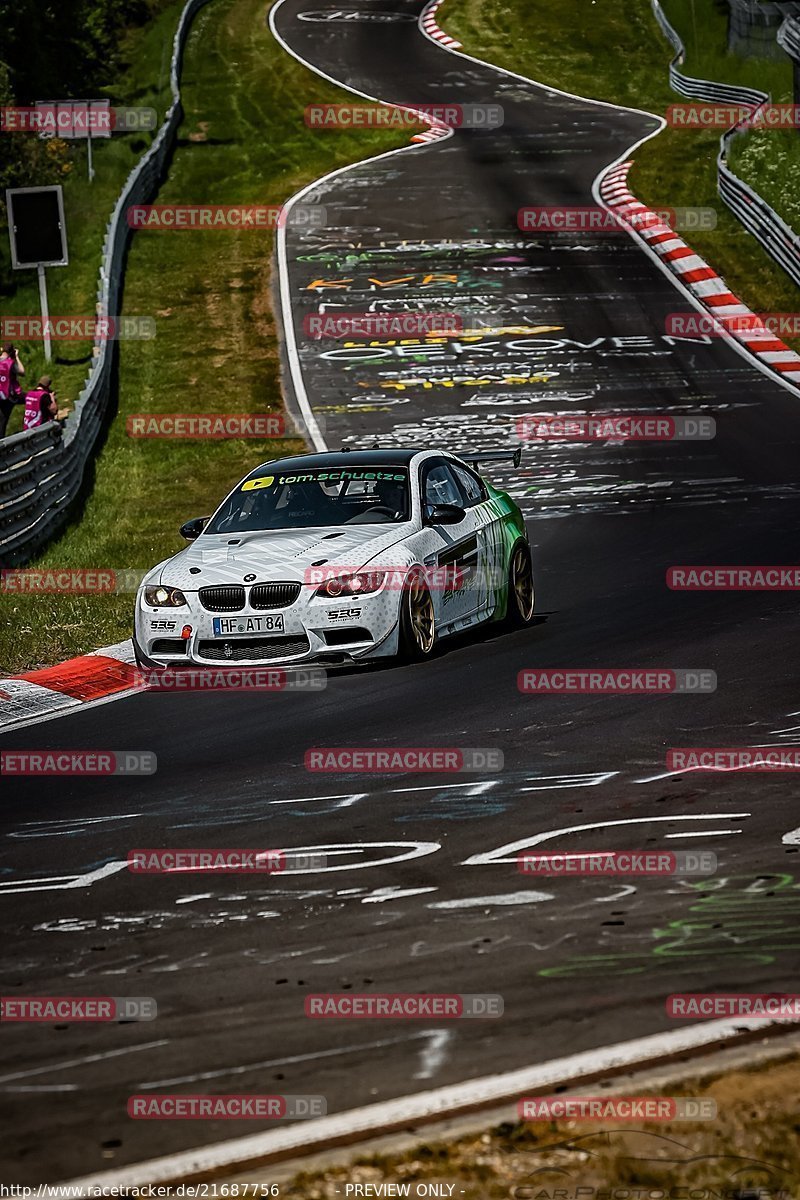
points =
(417, 620)
(521, 593)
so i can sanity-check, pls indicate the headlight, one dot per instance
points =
(352, 585)
(164, 597)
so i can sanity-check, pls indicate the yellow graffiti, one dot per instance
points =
(438, 337)
(466, 381)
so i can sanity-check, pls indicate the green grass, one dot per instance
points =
(87, 209)
(244, 141)
(618, 53)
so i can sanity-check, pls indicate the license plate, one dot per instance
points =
(234, 626)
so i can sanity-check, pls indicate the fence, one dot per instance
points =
(777, 238)
(789, 38)
(42, 470)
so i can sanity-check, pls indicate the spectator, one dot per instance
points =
(41, 405)
(11, 369)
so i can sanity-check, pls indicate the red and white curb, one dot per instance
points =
(92, 677)
(437, 131)
(709, 288)
(428, 22)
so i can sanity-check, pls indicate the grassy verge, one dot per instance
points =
(87, 208)
(750, 1150)
(243, 141)
(619, 54)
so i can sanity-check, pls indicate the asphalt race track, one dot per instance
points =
(409, 905)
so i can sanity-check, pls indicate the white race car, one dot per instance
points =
(339, 557)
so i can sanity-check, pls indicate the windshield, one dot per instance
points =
(338, 495)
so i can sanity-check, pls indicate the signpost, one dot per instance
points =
(73, 119)
(38, 236)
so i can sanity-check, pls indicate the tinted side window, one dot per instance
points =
(471, 486)
(441, 487)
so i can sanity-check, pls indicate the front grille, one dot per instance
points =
(169, 646)
(273, 595)
(253, 649)
(222, 599)
(344, 637)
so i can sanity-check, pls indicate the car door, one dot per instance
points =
(491, 544)
(453, 557)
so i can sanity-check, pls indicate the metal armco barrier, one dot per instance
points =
(788, 37)
(758, 218)
(41, 470)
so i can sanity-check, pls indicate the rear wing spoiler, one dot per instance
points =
(515, 456)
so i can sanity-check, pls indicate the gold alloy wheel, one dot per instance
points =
(421, 617)
(522, 582)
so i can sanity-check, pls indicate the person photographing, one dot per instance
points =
(41, 405)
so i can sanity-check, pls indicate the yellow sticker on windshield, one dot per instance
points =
(252, 485)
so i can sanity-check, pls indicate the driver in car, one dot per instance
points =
(390, 495)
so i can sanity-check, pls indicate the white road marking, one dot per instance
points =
(347, 799)
(381, 895)
(703, 833)
(245, 1068)
(548, 783)
(56, 1087)
(486, 901)
(513, 848)
(79, 1062)
(434, 1055)
(65, 826)
(59, 883)
(627, 889)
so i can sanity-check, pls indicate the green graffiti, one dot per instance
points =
(750, 920)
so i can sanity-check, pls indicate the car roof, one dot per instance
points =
(338, 458)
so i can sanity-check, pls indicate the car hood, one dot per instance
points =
(278, 554)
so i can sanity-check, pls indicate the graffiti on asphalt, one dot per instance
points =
(750, 920)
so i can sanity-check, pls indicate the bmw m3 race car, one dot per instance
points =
(340, 557)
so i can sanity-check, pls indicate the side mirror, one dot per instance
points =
(445, 514)
(192, 529)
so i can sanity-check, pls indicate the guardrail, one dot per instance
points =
(41, 470)
(778, 239)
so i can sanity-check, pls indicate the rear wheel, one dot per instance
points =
(417, 620)
(521, 593)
